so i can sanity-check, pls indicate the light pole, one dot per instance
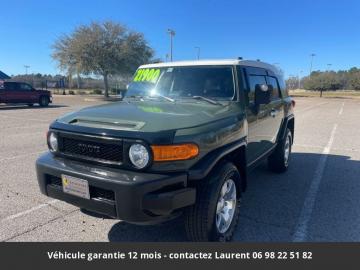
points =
(172, 34)
(329, 65)
(198, 52)
(311, 61)
(299, 77)
(26, 69)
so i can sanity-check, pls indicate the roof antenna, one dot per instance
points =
(240, 58)
(258, 60)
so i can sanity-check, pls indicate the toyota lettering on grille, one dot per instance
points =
(88, 148)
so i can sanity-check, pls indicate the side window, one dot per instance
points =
(283, 89)
(10, 86)
(254, 80)
(25, 87)
(275, 87)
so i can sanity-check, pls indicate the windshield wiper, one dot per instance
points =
(212, 101)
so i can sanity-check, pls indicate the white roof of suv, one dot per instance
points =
(224, 62)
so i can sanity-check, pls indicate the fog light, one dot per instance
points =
(139, 155)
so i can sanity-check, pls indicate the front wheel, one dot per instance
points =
(44, 101)
(215, 215)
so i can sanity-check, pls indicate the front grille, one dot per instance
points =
(109, 151)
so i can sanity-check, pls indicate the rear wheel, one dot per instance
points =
(216, 213)
(30, 104)
(44, 101)
(279, 160)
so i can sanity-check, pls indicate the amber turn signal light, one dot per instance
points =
(174, 152)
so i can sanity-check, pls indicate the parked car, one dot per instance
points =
(182, 141)
(24, 93)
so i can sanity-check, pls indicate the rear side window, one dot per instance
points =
(10, 86)
(283, 89)
(25, 87)
(275, 87)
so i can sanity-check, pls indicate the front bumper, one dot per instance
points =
(131, 196)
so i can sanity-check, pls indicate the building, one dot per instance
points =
(3, 76)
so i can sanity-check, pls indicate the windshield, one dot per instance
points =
(184, 82)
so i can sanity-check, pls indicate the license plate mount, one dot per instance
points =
(75, 186)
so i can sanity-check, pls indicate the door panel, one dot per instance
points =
(26, 93)
(264, 121)
(256, 117)
(10, 91)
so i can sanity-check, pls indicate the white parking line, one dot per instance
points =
(29, 210)
(27, 119)
(319, 147)
(21, 156)
(309, 203)
(342, 108)
(310, 107)
(24, 127)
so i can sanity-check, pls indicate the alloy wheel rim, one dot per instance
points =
(226, 206)
(287, 150)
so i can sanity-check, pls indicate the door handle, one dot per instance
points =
(274, 112)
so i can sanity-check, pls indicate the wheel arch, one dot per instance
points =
(235, 154)
(288, 123)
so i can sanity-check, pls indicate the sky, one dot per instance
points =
(277, 31)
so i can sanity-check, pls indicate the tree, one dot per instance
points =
(292, 82)
(354, 80)
(321, 81)
(104, 49)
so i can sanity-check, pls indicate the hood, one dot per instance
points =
(148, 116)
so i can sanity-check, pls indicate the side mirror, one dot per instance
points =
(262, 94)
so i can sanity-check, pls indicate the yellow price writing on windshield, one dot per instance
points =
(147, 75)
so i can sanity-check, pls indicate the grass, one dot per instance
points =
(326, 94)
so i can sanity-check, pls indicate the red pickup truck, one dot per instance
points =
(19, 92)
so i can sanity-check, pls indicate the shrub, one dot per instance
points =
(96, 92)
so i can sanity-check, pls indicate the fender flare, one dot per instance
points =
(201, 169)
(283, 127)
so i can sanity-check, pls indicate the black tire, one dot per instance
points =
(30, 104)
(277, 161)
(200, 219)
(44, 101)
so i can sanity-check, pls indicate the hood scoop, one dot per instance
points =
(111, 124)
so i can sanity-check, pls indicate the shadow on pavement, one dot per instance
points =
(272, 204)
(26, 107)
(170, 231)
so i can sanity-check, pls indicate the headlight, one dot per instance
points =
(139, 155)
(53, 142)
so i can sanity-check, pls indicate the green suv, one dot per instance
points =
(182, 141)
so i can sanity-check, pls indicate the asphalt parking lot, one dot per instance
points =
(316, 200)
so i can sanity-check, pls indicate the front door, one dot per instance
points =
(257, 117)
(265, 120)
(25, 93)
